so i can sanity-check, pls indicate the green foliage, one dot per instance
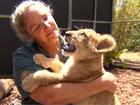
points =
(125, 28)
(135, 42)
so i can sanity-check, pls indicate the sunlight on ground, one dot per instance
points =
(132, 56)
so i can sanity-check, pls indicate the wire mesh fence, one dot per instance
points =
(126, 24)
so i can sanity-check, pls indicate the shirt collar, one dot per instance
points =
(39, 49)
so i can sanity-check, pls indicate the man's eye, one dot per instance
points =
(45, 18)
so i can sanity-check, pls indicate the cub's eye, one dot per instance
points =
(82, 34)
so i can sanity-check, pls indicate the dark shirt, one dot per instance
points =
(23, 60)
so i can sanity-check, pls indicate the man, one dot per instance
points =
(35, 25)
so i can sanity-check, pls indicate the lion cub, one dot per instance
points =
(85, 63)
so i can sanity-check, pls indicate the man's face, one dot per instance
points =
(40, 24)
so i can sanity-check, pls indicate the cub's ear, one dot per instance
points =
(106, 43)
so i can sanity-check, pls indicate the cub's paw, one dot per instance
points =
(6, 85)
(42, 60)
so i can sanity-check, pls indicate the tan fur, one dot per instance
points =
(6, 85)
(83, 65)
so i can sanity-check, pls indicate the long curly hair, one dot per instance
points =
(17, 18)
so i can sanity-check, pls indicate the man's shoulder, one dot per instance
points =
(26, 48)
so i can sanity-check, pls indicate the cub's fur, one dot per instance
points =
(6, 85)
(84, 64)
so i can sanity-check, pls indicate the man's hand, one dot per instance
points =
(109, 81)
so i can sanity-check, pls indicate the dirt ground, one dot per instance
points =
(128, 83)
(128, 86)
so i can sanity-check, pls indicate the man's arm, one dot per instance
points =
(64, 93)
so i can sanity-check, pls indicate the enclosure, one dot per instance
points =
(119, 18)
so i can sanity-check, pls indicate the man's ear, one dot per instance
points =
(106, 43)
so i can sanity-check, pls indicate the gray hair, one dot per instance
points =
(17, 20)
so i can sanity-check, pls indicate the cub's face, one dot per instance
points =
(79, 42)
(87, 41)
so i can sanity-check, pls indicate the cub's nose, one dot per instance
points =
(68, 36)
